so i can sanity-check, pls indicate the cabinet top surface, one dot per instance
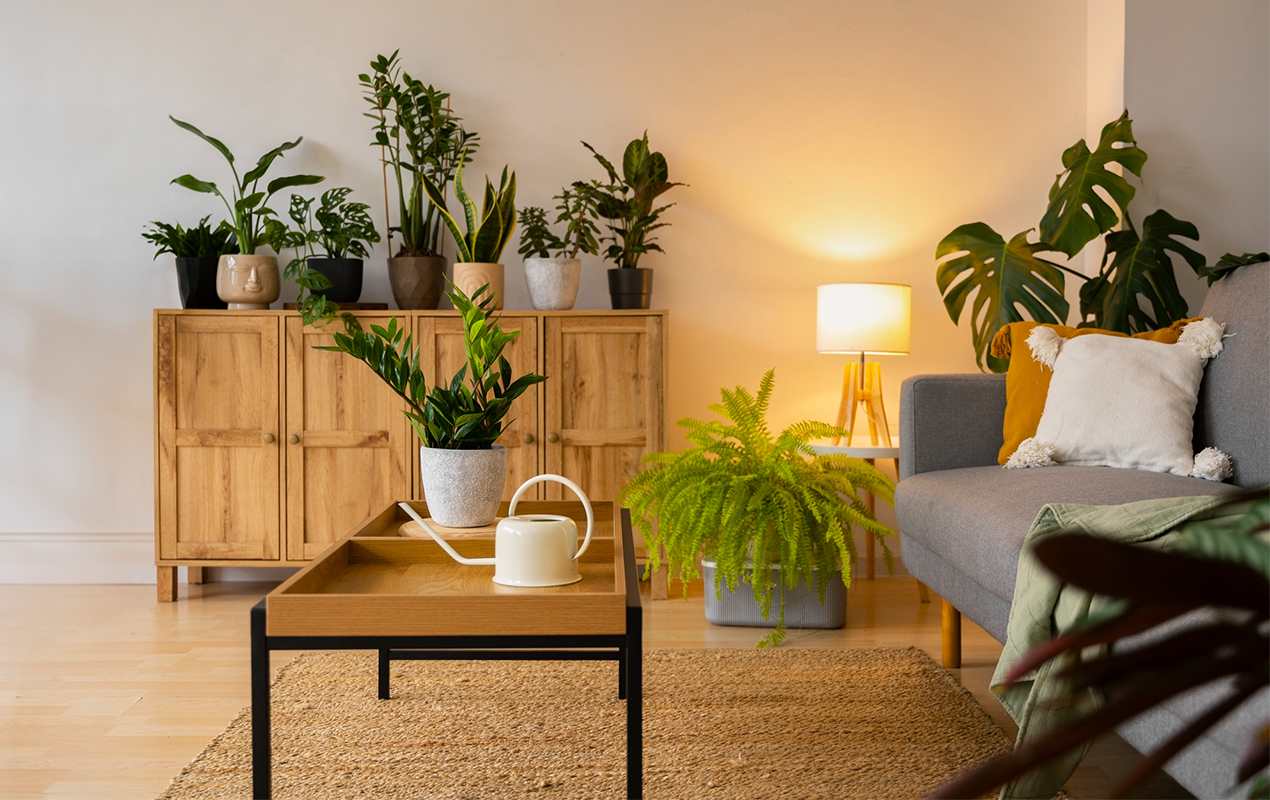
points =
(507, 312)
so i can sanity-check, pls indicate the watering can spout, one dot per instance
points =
(473, 562)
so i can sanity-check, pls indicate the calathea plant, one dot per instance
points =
(751, 501)
(576, 209)
(1135, 288)
(627, 201)
(200, 241)
(248, 204)
(488, 232)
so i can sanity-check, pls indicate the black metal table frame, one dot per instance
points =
(625, 649)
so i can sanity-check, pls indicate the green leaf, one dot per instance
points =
(1228, 264)
(217, 143)
(262, 165)
(194, 184)
(1077, 213)
(437, 198)
(1138, 270)
(293, 180)
(1007, 279)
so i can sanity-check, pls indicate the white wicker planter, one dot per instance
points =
(802, 605)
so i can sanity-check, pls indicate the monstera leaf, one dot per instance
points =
(1078, 213)
(1228, 264)
(1008, 277)
(1137, 274)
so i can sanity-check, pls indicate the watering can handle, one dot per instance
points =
(444, 544)
(586, 503)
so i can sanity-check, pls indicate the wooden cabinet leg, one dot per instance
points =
(951, 628)
(198, 574)
(660, 586)
(923, 593)
(167, 584)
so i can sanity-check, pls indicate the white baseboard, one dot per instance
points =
(98, 558)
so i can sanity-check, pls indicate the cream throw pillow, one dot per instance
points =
(1121, 402)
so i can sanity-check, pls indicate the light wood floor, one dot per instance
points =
(105, 693)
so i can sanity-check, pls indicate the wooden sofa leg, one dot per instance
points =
(951, 627)
(167, 584)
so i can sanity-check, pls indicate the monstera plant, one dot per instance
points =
(1135, 288)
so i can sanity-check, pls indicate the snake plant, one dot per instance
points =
(487, 234)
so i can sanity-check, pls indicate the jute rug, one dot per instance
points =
(879, 723)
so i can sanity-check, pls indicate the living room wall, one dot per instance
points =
(822, 141)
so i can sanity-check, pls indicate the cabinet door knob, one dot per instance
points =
(553, 437)
(528, 438)
(293, 439)
(268, 438)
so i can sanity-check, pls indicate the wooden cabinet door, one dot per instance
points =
(604, 399)
(219, 478)
(442, 337)
(347, 441)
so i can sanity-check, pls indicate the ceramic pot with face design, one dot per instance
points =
(247, 282)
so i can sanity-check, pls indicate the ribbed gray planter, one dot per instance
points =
(802, 604)
(463, 487)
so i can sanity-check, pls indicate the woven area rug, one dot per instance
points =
(876, 723)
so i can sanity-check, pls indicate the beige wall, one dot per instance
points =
(823, 141)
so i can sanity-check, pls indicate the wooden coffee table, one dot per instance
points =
(381, 588)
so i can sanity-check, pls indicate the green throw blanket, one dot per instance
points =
(1044, 607)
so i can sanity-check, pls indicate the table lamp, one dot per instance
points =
(864, 318)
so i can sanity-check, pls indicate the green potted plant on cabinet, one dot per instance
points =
(458, 422)
(247, 280)
(477, 252)
(626, 203)
(419, 138)
(197, 251)
(762, 510)
(553, 279)
(331, 241)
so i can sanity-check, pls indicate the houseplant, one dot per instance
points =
(247, 280)
(626, 203)
(340, 230)
(1135, 289)
(766, 510)
(477, 252)
(418, 137)
(197, 251)
(458, 422)
(553, 279)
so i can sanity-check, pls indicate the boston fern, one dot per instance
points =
(752, 501)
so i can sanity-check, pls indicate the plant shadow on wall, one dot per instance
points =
(767, 509)
(1135, 289)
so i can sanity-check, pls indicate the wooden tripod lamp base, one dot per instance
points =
(862, 386)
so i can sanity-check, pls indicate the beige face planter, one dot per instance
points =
(247, 282)
(470, 276)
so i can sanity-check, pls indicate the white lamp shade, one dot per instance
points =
(863, 318)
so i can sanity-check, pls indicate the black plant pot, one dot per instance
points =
(196, 279)
(345, 275)
(631, 288)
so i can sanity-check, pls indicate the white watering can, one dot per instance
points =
(530, 550)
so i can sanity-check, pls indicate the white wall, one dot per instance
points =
(823, 141)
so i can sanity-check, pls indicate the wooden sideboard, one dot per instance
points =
(267, 451)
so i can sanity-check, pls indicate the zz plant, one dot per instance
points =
(200, 241)
(468, 413)
(576, 209)
(626, 202)
(752, 501)
(488, 232)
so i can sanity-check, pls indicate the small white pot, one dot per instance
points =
(553, 282)
(463, 487)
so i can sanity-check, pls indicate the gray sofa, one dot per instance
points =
(962, 518)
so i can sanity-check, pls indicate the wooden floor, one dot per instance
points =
(105, 693)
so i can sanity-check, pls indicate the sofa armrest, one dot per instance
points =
(950, 421)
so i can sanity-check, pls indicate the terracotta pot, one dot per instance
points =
(417, 281)
(463, 487)
(196, 280)
(248, 282)
(471, 276)
(553, 282)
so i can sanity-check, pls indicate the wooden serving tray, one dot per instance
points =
(392, 522)
(378, 582)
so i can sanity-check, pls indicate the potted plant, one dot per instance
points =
(477, 252)
(419, 137)
(553, 279)
(247, 280)
(458, 422)
(197, 251)
(626, 202)
(331, 241)
(763, 511)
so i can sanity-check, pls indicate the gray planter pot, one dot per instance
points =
(802, 605)
(463, 487)
(553, 282)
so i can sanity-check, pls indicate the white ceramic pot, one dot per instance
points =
(248, 282)
(553, 282)
(470, 276)
(463, 487)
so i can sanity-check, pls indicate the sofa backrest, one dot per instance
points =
(1234, 400)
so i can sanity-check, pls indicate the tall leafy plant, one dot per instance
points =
(753, 500)
(627, 201)
(419, 138)
(248, 204)
(1135, 288)
(576, 209)
(488, 232)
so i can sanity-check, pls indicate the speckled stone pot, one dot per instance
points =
(463, 487)
(553, 282)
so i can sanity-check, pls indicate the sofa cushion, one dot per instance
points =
(976, 518)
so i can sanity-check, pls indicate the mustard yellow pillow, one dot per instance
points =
(1027, 383)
